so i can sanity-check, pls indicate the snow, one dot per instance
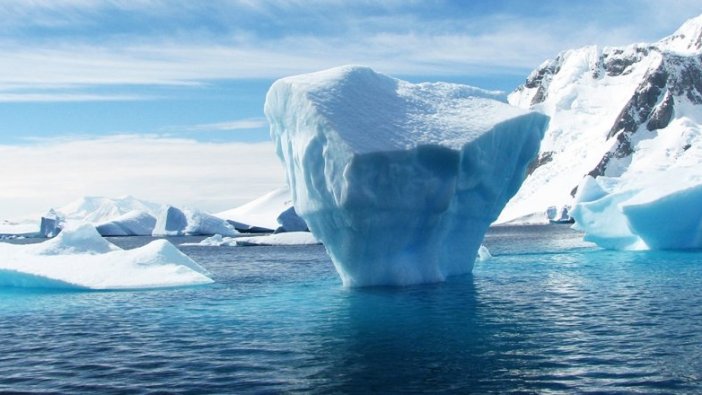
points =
(278, 239)
(19, 227)
(133, 223)
(687, 40)
(267, 213)
(399, 181)
(80, 258)
(176, 222)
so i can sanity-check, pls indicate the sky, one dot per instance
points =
(163, 99)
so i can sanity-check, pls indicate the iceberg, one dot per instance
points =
(79, 258)
(173, 221)
(658, 210)
(51, 224)
(271, 212)
(399, 181)
(133, 223)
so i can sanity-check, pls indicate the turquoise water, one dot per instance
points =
(548, 313)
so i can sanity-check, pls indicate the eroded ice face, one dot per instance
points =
(399, 181)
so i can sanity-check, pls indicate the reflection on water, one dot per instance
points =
(547, 313)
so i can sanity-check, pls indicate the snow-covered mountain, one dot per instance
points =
(616, 112)
(98, 209)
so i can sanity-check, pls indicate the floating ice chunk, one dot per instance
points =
(399, 181)
(80, 258)
(51, 224)
(133, 223)
(483, 253)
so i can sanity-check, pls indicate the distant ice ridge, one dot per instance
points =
(126, 216)
(659, 210)
(615, 111)
(399, 181)
(80, 258)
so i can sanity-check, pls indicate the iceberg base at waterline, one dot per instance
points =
(79, 258)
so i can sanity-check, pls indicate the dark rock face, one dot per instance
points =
(642, 103)
(541, 79)
(541, 160)
(662, 114)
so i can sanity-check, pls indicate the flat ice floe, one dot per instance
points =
(80, 258)
(277, 239)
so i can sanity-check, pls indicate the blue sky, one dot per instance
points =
(197, 71)
(190, 68)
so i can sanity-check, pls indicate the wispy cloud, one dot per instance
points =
(210, 176)
(189, 43)
(228, 126)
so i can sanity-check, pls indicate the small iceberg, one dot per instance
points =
(653, 211)
(80, 258)
(173, 221)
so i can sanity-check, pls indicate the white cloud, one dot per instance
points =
(209, 176)
(227, 126)
(398, 41)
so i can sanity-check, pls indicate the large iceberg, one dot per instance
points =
(399, 181)
(656, 210)
(80, 258)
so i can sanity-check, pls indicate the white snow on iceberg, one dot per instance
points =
(80, 258)
(399, 181)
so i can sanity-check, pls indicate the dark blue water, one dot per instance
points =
(547, 314)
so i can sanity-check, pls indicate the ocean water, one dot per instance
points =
(547, 314)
